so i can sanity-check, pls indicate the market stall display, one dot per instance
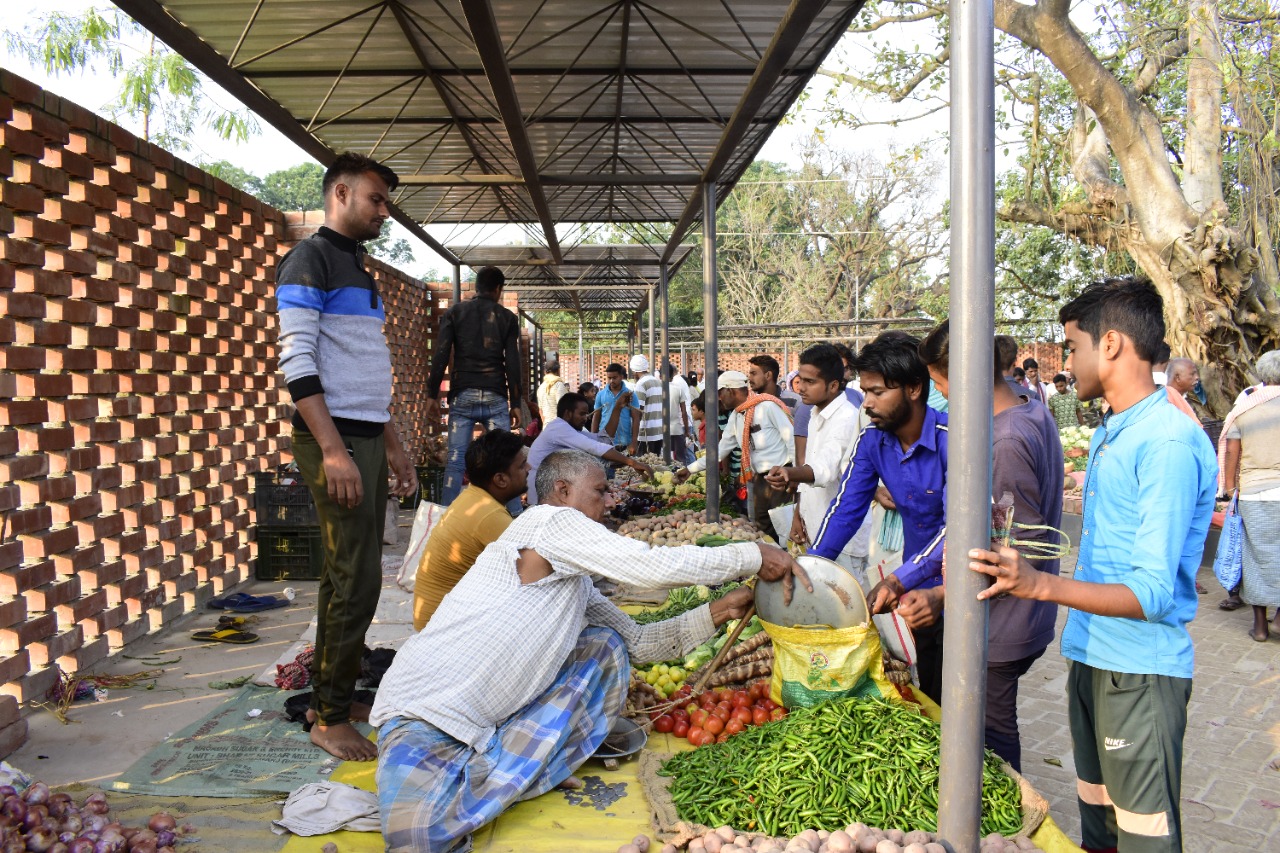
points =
(686, 527)
(823, 768)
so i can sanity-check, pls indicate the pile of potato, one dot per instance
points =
(685, 527)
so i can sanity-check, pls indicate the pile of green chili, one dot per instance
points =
(868, 760)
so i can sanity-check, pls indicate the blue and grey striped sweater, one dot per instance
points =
(331, 338)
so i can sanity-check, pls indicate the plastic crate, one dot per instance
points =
(430, 487)
(283, 504)
(293, 554)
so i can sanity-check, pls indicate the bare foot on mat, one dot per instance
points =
(343, 741)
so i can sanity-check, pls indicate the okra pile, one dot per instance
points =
(868, 760)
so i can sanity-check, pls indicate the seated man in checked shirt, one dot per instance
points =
(522, 671)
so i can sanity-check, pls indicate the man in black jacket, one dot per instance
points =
(483, 338)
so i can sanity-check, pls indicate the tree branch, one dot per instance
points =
(896, 94)
(1154, 65)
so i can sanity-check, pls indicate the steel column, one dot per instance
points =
(582, 372)
(665, 361)
(457, 285)
(972, 275)
(710, 331)
(653, 325)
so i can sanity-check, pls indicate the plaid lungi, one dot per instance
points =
(434, 791)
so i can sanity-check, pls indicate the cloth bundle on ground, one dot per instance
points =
(296, 674)
(319, 808)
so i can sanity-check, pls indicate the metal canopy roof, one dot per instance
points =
(505, 111)
(588, 278)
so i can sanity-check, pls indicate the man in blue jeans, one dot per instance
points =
(483, 339)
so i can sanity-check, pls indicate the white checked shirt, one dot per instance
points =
(772, 439)
(495, 644)
(833, 434)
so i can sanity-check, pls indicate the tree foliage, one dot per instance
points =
(1146, 139)
(158, 87)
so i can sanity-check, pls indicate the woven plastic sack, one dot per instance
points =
(815, 664)
(427, 517)
(1228, 562)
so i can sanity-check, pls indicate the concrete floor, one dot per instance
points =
(105, 738)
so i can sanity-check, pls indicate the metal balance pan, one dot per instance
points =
(837, 600)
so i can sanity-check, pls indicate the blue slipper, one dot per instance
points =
(241, 602)
(227, 601)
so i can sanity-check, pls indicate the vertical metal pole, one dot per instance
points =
(653, 327)
(664, 362)
(969, 470)
(710, 341)
(583, 374)
(786, 363)
(457, 285)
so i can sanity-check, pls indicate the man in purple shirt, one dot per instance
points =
(564, 432)
(906, 447)
(1026, 463)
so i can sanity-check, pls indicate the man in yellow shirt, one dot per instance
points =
(498, 471)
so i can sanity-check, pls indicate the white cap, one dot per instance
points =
(732, 379)
(639, 364)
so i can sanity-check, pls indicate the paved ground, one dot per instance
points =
(1231, 794)
(1230, 790)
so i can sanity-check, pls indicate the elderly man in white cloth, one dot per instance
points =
(522, 671)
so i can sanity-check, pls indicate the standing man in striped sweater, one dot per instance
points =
(335, 359)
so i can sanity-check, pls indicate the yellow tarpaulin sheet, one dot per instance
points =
(551, 824)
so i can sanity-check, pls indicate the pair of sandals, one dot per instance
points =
(230, 628)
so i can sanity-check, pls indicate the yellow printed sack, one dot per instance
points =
(812, 664)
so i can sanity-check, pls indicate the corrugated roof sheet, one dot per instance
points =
(640, 99)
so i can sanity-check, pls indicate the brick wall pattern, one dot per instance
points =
(139, 388)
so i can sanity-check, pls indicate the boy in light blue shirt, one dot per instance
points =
(1148, 498)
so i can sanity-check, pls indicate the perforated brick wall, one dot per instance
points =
(138, 383)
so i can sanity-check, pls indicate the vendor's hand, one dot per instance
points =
(799, 534)
(632, 448)
(778, 477)
(403, 471)
(884, 595)
(641, 468)
(681, 475)
(624, 398)
(732, 606)
(884, 498)
(922, 607)
(777, 565)
(433, 409)
(515, 417)
(343, 479)
(1012, 573)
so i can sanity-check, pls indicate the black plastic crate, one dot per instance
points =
(283, 504)
(430, 487)
(293, 554)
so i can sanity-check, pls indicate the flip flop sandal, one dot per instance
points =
(226, 635)
(228, 621)
(1230, 604)
(256, 604)
(226, 601)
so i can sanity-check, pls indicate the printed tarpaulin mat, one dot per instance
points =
(233, 752)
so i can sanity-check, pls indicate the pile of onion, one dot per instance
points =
(42, 822)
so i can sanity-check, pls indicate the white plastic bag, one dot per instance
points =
(427, 517)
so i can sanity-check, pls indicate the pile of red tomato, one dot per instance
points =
(718, 714)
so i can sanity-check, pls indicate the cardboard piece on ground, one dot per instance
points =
(230, 754)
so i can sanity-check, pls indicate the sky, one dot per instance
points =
(270, 151)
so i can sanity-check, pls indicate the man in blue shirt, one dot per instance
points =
(564, 432)
(1148, 497)
(906, 447)
(613, 411)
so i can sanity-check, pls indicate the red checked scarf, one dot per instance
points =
(748, 410)
(1264, 394)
